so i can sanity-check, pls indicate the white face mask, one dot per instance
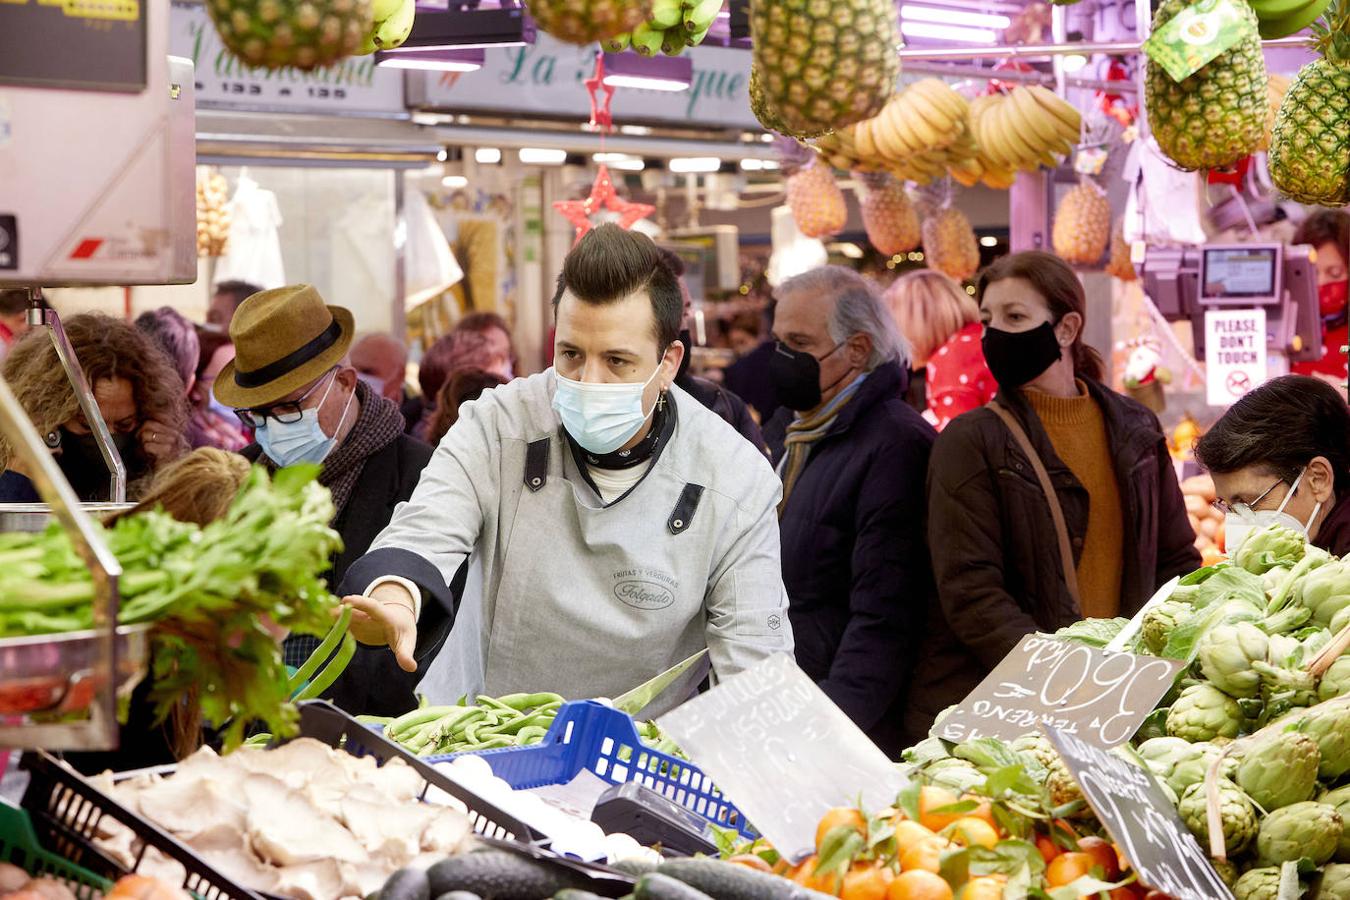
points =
(601, 417)
(1242, 520)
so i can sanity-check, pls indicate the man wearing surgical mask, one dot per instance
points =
(290, 383)
(614, 525)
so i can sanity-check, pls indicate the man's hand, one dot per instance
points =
(386, 618)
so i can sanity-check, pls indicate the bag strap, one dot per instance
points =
(1056, 511)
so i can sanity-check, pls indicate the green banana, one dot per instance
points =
(674, 41)
(619, 43)
(697, 37)
(383, 9)
(700, 15)
(647, 40)
(1278, 9)
(1293, 23)
(395, 29)
(666, 14)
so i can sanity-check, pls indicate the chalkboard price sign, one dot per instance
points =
(1141, 820)
(1100, 695)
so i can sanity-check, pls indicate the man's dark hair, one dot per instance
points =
(1281, 426)
(13, 302)
(176, 336)
(609, 264)
(673, 261)
(237, 291)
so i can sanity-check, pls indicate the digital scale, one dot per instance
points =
(651, 819)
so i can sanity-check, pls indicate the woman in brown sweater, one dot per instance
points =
(992, 532)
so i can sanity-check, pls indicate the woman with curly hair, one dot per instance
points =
(138, 391)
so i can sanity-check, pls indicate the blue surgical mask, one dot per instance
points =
(601, 417)
(289, 443)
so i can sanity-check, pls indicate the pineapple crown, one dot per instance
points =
(874, 181)
(1333, 32)
(794, 155)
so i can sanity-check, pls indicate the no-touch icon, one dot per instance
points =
(1239, 383)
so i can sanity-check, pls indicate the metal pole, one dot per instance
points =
(1081, 48)
(958, 71)
(40, 316)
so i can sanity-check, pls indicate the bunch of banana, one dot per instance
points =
(1281, 18)
(1024, 129)
(918, 136)
(392, 23)
(674, 25)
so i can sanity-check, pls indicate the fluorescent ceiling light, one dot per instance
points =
(430, 60)
(636, 130)
(655, 73)
(442, 155)
(692, 164)
(953, 17)
(852, 251)
(988, 241)
(543, 156)
(455, 181)
(948, 33)
(488, 156)
(752, 165)
(621, 161)
(1073, 62)
(647, 84)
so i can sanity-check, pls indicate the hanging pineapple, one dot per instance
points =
(1082, 224)
(1310, 147)
(588, 21)
(949, 244)
(1120, 265)
(889, 216)
(817, 203)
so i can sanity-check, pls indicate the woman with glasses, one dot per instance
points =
(1281, 455)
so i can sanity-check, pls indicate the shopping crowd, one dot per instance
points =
(585, 528)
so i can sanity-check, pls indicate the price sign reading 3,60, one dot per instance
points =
(1099, 694)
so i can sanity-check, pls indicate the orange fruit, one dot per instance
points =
(926, 855)
(840, 815)
(1105, 855)
(919, 885)
(969, 831)
(932, 798)
(868, 882)
(1049, 849)
(984, 811)
(803, 870)
(752, 861)
(1067, 867)
(982, 887)
(909, 833)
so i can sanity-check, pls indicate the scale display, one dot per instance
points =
(1240, 272)
(76, 44)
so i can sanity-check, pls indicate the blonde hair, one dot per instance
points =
(929, 308)
(197, 488)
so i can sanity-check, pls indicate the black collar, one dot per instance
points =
(648, 449)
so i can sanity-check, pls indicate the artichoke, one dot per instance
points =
(1325, 591)
(1340, 620)
(1227, 871)
(1202, 713)
(1161, 620)
(1235, 810)
(1226, 654)
(1274, 546)
(1335, 883)
(1329, 725)
(956, 775)
(1280, 769)
(1179, 764)
(1258, 884)
(1340, 798)
(1308, 829)
(1336, 680)
(1038, 748)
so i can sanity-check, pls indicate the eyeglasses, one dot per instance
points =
(1225, 508)
(287, 412)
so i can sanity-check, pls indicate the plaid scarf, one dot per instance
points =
(802, 433)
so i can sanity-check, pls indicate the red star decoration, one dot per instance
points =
(601, 116)
(603, 196)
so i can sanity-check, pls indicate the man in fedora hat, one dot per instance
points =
(614, 525)
(291, 383)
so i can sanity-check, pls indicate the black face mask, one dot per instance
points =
(1017, 357)
(687, 339)
(795, 376)
(82, 463)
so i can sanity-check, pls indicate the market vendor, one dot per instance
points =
(616, 525)
(1327, 231)
(1281, 455)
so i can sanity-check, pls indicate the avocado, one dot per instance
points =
(662, 887)
(407, 884)
(499, 875)
(728, 881)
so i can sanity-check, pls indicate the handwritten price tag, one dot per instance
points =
(1141, 819)
(1099, 695)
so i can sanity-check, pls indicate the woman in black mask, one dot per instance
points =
(1056, 502)
(139, 394)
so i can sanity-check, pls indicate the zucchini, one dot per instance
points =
(459, 895)
(728, 881)
(407, 884)
(499, 875)
(662, 887)
(635, 867)
(575, 894)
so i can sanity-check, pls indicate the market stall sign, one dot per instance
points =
(1235, 354)
(546, 80)
(74, 44)
(355, 84)
(782, 752)
(1141, 820)
(1099, 695)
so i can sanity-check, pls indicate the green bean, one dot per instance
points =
(330, 673)
(322, 652)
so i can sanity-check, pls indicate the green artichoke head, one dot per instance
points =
(1340, 620)
(1335, 883)
(1280, 769)
(1274, 546)
(1203, 713)
(1329, 725)
(956, 775)
(1226, 655)
(1258, 884)
(1160, 621)
(1336, 680)
(1325, 591)
(1235, 811)
(1180, 764)
(1308, 829)
(1340, 798)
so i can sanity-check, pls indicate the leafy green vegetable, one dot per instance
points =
(1092, 632)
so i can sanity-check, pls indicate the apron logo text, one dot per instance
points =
(644, 594)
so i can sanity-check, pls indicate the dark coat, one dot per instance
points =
(748, 378)
(855, 553)
(726, 404)
(995, 553)
(1333, 535)
(373, 684)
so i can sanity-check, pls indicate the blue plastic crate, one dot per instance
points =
(590, 735)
